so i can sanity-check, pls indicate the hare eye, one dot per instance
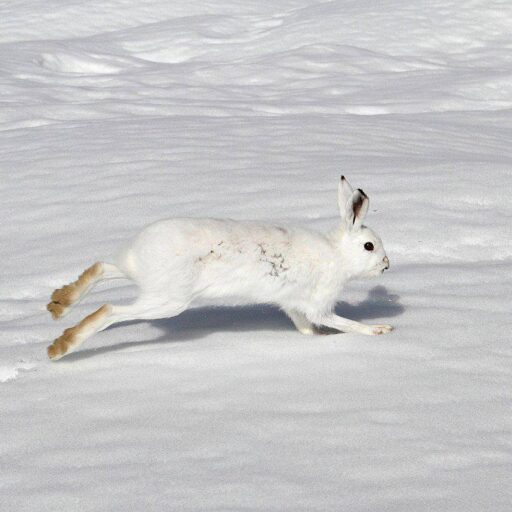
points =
(368, 246)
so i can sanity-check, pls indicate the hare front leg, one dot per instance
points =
(303, 325)
(344, 324)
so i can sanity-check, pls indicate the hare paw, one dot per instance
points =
(380, 329)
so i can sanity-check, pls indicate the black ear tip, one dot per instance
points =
(362, 192)
(342, 178)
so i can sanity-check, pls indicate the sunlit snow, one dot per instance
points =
(116, 113)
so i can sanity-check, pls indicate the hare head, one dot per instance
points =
(361, 249)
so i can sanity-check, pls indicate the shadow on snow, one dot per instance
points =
(199, 322)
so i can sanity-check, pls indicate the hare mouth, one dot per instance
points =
(377, 271)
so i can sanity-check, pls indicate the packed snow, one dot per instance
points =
(116, 113)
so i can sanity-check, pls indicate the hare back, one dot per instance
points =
(227, 261)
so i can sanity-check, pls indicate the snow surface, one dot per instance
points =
(115, 113)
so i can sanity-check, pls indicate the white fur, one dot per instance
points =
(179, 263)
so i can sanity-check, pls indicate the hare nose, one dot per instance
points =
(386, 261)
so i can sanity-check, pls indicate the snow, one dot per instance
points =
(118, 113)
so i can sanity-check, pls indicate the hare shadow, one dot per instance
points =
(197, 323)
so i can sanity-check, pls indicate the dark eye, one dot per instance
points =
(368, 246)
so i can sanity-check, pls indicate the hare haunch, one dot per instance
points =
(179, 263)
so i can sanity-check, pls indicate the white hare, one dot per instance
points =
(179, 263)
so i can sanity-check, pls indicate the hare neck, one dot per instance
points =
(343, 267)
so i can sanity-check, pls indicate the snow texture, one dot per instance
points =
(116, 113)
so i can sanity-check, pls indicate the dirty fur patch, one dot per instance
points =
(274, 259)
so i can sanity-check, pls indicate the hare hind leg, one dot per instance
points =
(105, 316)
(63, 298)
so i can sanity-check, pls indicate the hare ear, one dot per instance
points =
(345, 191)
(356, 209)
